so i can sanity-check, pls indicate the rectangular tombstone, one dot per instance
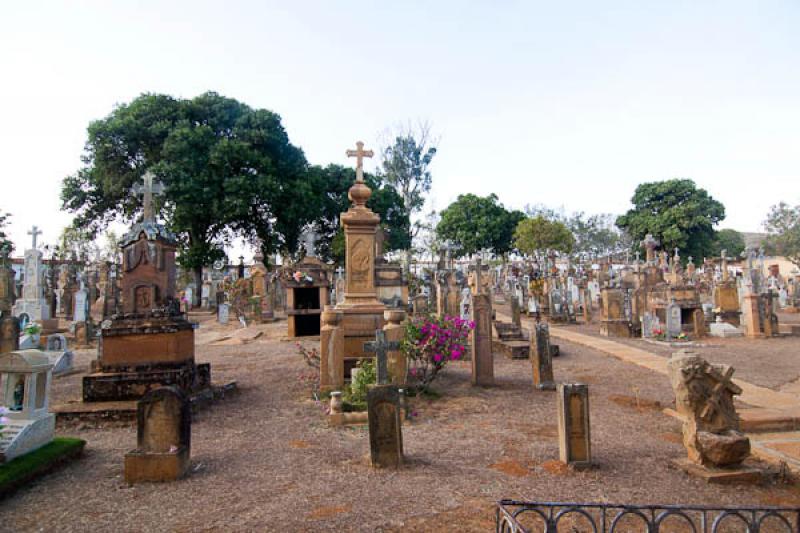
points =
(541, 357)
(163, 436)
(385, 429)
(574, 439)
(481, 341)
(674, 324)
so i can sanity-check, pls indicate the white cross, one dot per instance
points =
(34, 232)
(359, 153)
(147, 191)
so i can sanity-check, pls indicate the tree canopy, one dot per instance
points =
(5, 242)
(538, 234)
(677, 213)
(228, 170)
(474, 223)
(783, 232)
(729, 240)
(593, 233)
(334, 181)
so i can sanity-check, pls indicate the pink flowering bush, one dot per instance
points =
(430, 342)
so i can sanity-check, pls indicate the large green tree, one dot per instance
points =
(474, 223)
(228, 170)
(593, 233)
(783, 232)
(538, 234)
(677, 213)
(335, 181)
(405, 166)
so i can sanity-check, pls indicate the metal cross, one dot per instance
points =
(34, 232)
(359, 153)
(147, 191)
(381, 348)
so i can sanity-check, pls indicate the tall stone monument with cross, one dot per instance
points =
(33, 302)
(149, 344)
(362, 311)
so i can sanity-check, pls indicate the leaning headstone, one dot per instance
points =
(385, 430)
(163, 437)
(541, 357)
(481, 341)
(704, 399)
(574, 438)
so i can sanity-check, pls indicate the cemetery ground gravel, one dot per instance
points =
(265, 460)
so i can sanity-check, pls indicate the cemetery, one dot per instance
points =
(234, 331)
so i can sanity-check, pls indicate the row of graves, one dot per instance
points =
(662, 300)
(145, 362)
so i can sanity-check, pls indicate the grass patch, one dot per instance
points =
(38, 462)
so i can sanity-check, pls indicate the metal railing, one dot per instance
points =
(554, 517)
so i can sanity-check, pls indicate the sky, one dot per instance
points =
(568, 104)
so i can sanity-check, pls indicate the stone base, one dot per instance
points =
(133, 385)
(513, 349)
(143, 466)
(741, 474)
(616, 328)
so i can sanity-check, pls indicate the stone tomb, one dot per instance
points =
(150, 344)
(163, 437)
(385, 426)
(574, 437)
(308, 286)
(25, 377)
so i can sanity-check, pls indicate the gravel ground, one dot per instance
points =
(266, 460)
(769, 363)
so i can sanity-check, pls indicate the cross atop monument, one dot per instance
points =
(381, 348)
(147, 191)
(34, 232)
(359, 153)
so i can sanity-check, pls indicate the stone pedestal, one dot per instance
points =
(574, 437)
(481, 341)
(396, 360)
(541, 357)
(385, 429)
(331, 357)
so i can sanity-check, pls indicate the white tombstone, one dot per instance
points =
(189, 292)
(32, 302)
(223, 312)
(80, 306)
(60, 357)
(674, 325)
(724, 330)
(25, 387)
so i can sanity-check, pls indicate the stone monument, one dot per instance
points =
(541, 357)
(385, 426)
(574, 437)
(33, 302)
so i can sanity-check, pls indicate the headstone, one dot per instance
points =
(541, 357)
(481, 341)
(9, 334)
(674, 325)
(699, 323)
(60, 357)
(704, 398)
(81, 305)
(574, 437)
(649, 321)
(223, 312)
(33, 302)
(381, 347)
(163, 437)
(331, 340)
(515, 315)
(385, 429)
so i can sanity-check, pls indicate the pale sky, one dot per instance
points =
(563, 103)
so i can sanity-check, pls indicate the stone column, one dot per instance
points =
(331, 357)
(574, 438)
(541, 357)
(481, 341)
(396, 360)
(360, 225)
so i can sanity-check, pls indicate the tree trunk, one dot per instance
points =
(197, 293)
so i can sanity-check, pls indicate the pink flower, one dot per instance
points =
(471, 324)
(437, 357)
(3, 420)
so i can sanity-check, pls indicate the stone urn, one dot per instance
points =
(336, 402)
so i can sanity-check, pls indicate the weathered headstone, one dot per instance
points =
(381, 347)
(574, 437)
(541, 357)
(515, 315)
(331, 341)
(163, 437)
(9, 334)
(223, 313)
(385, 429)
(704, 398)
(481, 341)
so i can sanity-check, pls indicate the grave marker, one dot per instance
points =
(541, 357)
(385, 429)
(574, 438)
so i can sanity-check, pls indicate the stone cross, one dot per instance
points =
(34, 233)
(650, 244)
(359, 153)
(340, 272)
(147, 191)
(381, 348)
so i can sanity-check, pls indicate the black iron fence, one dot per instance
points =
(551, 517)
